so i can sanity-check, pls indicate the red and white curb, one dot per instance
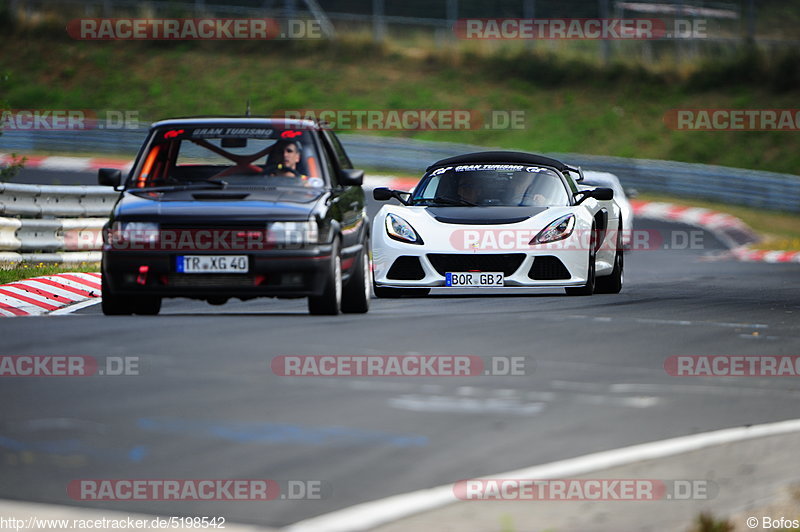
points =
(765, 255)
(48, 294)
(69, 164)
(728, 228)
(704, 218)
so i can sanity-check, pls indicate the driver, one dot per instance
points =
(288, 153)
(468, 190)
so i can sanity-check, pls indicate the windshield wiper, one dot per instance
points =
(215, 183)
(221, 183)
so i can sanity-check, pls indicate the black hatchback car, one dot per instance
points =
(219, 208)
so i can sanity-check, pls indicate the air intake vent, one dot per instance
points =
(548, 269)
(507, 263)
(406, 269)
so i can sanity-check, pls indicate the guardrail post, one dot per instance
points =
(605, 44)
(529, 12)
(452, 17)
(378, 21)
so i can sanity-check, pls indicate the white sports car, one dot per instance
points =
(497, 219)
(609, 180)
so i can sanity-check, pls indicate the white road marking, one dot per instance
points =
(371, 514)
(657, 321)
(758, 337)
(465, 405)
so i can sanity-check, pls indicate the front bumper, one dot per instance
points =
(406, 266)
(271, 273)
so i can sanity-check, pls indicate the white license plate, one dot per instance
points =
(212, 264)
(473, 279)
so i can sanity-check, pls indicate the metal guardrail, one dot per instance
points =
(31, 229)
(752, 188)
(48, 201)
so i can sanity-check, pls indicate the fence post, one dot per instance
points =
(452, 17)
(378, 22)
(289, 9)
(751, 21)
(529, 11)
(605, 43)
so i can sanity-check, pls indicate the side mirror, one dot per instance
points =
(603, 193)
(385, 194)
(351, 178)
(599, 193)
(382, 194)
(109, 177)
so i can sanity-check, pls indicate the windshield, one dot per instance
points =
(228, 156)
(491, 184)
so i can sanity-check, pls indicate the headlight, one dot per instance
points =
(401, 230)
(557, 230)
(134, 233)
(293, 233)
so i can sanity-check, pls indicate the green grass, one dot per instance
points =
(19, 271)
(570, 106)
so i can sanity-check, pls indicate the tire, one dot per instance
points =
(394, 293)
(330, 302)
(588, 288)
(613, 283)
(147, 305)
(358, 291)
(114, 305)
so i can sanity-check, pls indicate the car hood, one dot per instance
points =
(489, 215)
(209, 205)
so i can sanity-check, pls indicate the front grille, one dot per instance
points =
(507, 263)
(548, 268)
(406, 268)
(206, 226)
(209, 280)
